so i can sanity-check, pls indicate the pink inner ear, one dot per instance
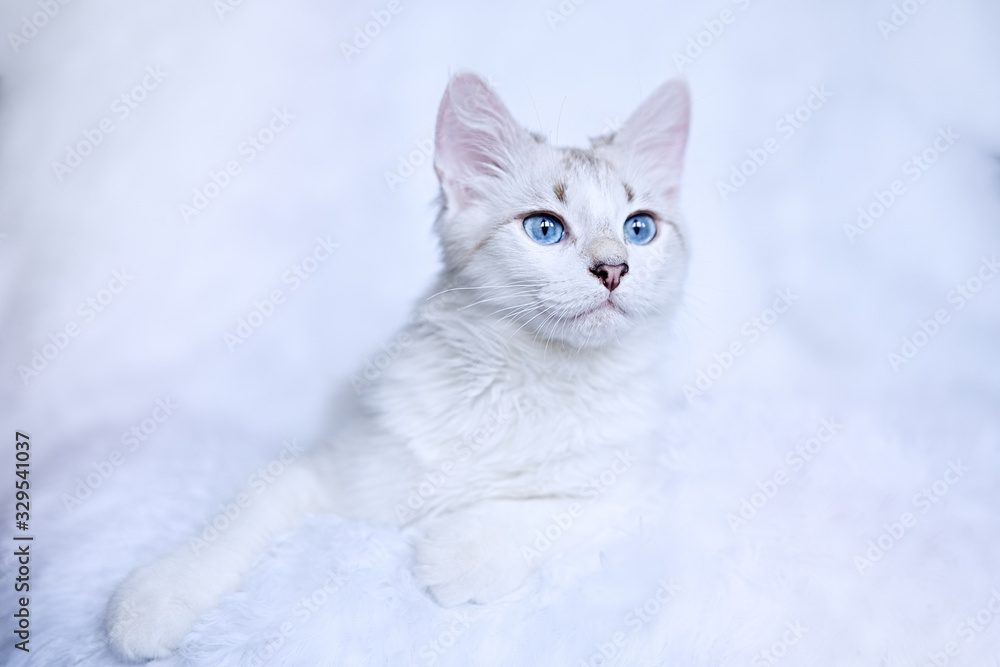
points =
(657, 131)
(476, 138)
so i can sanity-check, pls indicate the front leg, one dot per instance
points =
(158, 604)
(484, 551)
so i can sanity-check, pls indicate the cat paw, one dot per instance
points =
(149, 615)
(461, 561)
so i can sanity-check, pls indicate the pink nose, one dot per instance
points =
(610, 274)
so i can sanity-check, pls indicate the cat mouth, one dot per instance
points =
(605, 308)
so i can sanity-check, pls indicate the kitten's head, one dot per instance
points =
(575, 245)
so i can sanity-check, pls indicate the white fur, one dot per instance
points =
(525, 374)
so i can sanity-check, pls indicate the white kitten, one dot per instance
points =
(561, 270)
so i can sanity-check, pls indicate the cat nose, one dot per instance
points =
(610, 274)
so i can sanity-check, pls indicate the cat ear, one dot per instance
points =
(476, 139)
(656, 133)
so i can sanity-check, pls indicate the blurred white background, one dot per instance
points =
(568, 71)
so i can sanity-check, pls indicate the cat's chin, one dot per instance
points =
(594, 327)
(600, 312)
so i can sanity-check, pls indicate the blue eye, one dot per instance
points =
(640, 229)
(543, 228)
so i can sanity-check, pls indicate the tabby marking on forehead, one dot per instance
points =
(579, 157)
(560, 191)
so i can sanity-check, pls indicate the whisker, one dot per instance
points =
(522, 311)
(517, 284)
(519, 307)
(494, 298)
(523, 308)
(524, 325)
